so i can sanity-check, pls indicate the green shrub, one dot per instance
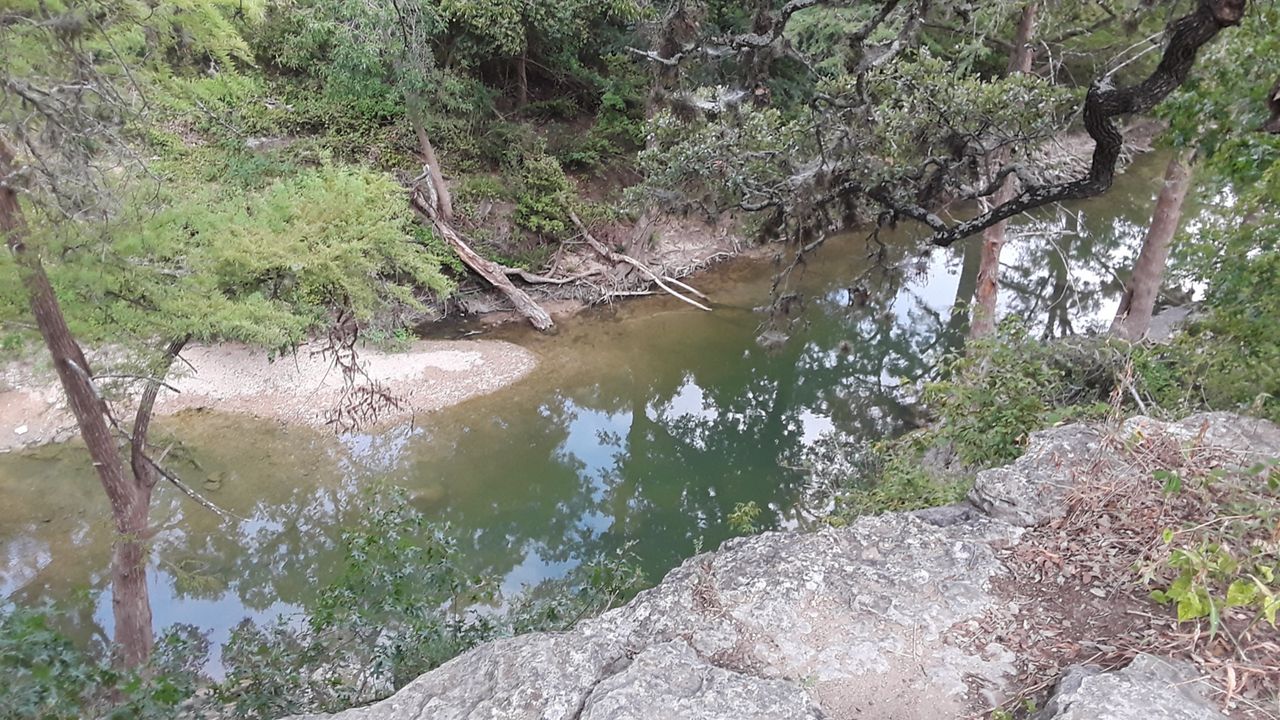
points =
(542, 206)
(552, 109)
(1205, 568)
(898, 480)
(1228, 359)
(475, 189)
(983, 406)
(46, 676)
(744, 519)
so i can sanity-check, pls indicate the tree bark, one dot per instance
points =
(1272, 125)
(444, 200)
(129, 500)
(984, 307)
(1133, 317)
(522, 78)
(130, 597)
(966, 286)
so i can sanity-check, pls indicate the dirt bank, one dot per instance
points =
(301, 388)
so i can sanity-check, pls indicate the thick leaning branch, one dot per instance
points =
(142, 468)
(1103, 103)
(492, 272)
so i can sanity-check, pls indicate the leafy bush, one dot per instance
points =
(395, 611)
(898, 480)
(983, 406)
(268, 268)
(744, 519)
(1207, 568)
(542, 206)
(552, 109)
(475, 188)
(44, 675)
(1230, 357)
(618, 130)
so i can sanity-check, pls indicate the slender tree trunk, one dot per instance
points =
(1133, 317)
(444, 200)
(984, 307)
(130, 597)
(129, 500)
(1061, 294)
(522, 78)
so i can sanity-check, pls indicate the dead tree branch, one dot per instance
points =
(617, 257)
(492, 272)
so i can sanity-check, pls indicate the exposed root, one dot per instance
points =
(620, 258)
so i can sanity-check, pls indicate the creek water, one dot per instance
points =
(643, 425)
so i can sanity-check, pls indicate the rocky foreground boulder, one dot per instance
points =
(843, 623)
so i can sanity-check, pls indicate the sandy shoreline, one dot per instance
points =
(301, 388)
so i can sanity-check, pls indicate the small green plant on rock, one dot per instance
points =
(745, 518)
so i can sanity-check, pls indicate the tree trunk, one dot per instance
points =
(444, 200)
(130, 598)
(966, 285)
(129, 500)
(522, 78)
(1272, 125)
(984, 307)
(1133, 317)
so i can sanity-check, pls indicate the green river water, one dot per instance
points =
(644, 423)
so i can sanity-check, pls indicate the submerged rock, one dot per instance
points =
(848, 623)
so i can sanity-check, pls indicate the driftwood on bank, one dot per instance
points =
(493, 273)
(535, 279)
(499, 276)
(621, 258)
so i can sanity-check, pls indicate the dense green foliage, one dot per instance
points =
(264, 267)
(250, 152)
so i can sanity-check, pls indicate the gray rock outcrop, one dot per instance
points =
(842, 623)
(1030, 490)
(1150, 687)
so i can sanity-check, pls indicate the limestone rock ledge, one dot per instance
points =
(1150, 687)
(840, 623)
